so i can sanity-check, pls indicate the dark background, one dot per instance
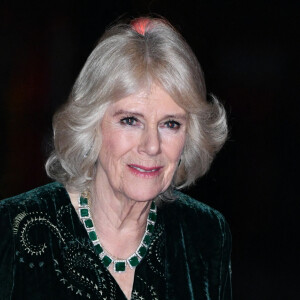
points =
(248, 53)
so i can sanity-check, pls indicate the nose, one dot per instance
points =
(150, 142)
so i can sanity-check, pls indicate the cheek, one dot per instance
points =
(174, 147)
(115, 145)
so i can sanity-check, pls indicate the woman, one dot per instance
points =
(137, 127)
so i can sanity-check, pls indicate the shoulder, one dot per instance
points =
(196, 210)
(204, 235)
(197, 219)
(33, 207)
(22, 224)
(37, 198)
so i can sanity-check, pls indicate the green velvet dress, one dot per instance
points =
(45, 252)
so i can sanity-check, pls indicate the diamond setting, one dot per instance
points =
(119, 266)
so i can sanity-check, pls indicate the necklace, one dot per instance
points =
(107, 259)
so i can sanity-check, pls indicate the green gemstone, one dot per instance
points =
(152, 216)
(93, 235)
(120, 266)
(83, 201)
(98, 249)
(84, 212)
(147, 240)
(150, 227)
(142, 251)
(152, 206)
(133, 261)
(88, 223)
(106, 261)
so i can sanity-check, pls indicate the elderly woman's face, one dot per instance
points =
(143, 136)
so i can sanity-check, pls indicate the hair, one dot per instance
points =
(127, 59)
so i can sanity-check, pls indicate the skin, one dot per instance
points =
(143, 136)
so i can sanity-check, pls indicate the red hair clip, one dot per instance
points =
(140, 24)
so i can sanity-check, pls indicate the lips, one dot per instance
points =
(145, 171)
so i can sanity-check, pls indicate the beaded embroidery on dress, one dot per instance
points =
(53, 245)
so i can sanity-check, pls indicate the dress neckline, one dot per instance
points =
(78, 224)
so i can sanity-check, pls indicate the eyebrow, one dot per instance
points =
(125, 112)
(133, 113)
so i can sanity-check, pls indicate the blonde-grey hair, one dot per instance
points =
(123, 63)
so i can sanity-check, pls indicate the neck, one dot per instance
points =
(116, 244)
(118, 213)
(119, 221)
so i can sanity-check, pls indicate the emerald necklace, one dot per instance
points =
(119, 265)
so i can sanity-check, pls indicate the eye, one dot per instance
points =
(131, 121)
(172, 124)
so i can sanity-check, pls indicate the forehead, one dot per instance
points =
(155, 100)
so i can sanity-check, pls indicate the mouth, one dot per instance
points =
(145, 171)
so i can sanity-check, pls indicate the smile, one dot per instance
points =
(145, 171)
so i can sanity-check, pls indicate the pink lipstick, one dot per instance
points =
(146, 172)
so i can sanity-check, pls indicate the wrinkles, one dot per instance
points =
(188, 277)
(198, 251)
(189, 258)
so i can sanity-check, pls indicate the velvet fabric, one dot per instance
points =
(45, 252)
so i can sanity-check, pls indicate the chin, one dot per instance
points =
(143, 195)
